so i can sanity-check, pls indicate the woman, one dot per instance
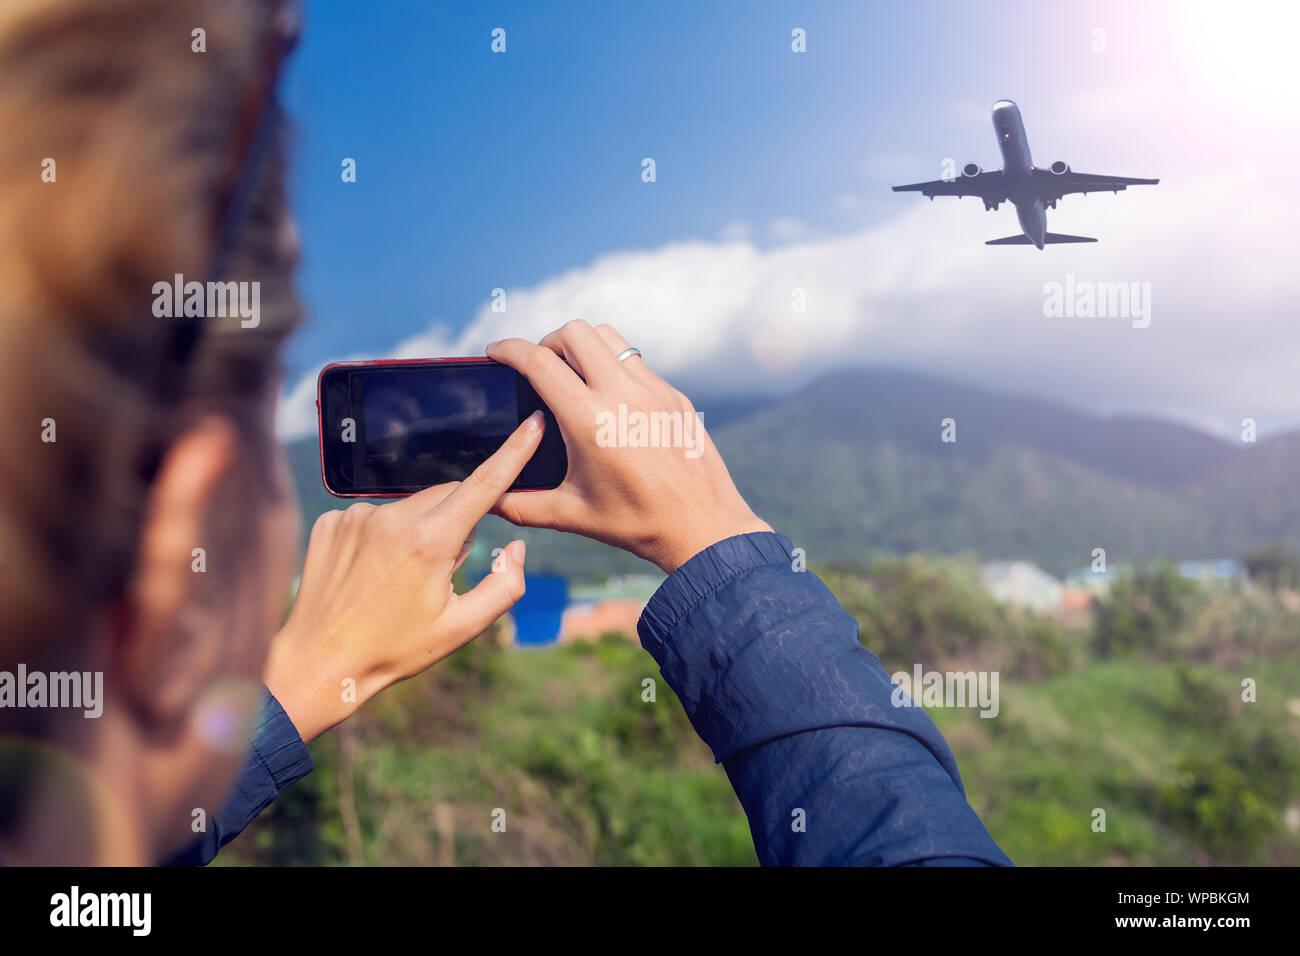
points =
(149, 522)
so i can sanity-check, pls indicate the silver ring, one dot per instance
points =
(628, 352)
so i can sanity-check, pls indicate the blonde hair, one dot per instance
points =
(141, 129)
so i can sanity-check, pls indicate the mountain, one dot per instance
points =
(1254, 498)
(854, 465)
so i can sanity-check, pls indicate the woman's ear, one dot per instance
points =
(169, 640)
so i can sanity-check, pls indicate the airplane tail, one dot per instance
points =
(1048, 239)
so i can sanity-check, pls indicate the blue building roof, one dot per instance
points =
(540, 611)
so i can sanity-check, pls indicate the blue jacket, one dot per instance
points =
(277, 758)
(773, 677)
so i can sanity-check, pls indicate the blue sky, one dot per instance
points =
(522, 170)
(479, 170)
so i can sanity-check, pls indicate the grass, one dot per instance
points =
(1108, 737)
(558, 744)
(504, 756)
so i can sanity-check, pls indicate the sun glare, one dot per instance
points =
(1241, 56)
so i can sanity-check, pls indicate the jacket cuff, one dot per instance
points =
(276, 758)
(700, 577)
(278, 745)
(756, 650)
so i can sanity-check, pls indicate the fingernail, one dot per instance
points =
(518, 551)
(534, 421)
(491, 345)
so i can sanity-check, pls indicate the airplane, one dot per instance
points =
(1031, 190)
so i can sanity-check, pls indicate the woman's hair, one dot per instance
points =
(121, 122)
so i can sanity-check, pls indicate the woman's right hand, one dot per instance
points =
(664, 504)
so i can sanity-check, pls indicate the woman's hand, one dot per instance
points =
(663, 492)
(375, 604)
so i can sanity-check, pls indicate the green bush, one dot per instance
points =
(935, 612)
(1274, 567)
(590, 773)
(1217, 806)
(1143, 612)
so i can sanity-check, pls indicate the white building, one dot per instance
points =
(1024, 585)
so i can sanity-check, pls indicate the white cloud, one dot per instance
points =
(922, 290)
(296, 415)
(785, 229)
(898, 166)
(737, 232)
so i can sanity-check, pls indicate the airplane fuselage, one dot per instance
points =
(1031, 190)
(1018, 171)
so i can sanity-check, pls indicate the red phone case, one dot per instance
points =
(320, 422)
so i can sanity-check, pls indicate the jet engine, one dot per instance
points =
(971, 170)
(1059, 168)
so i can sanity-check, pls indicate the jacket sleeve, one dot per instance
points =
(277, 758)
(773, 677)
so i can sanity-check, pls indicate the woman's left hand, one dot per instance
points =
(376, 605)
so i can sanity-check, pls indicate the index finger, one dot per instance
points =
(476, 495)
(551, 377)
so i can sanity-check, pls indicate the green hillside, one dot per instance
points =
(1141, 716)
(853, 467)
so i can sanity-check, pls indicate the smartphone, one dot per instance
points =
(394, 427)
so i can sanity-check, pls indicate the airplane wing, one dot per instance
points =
(1052, 186)
(987, 186)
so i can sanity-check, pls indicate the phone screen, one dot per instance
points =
(393, 429)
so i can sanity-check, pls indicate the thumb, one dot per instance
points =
(470, 614)
(532, 509)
